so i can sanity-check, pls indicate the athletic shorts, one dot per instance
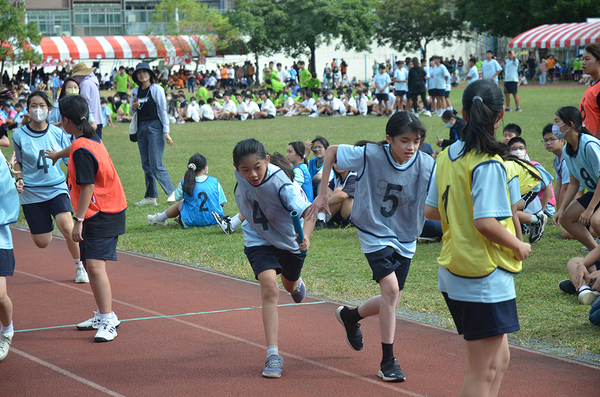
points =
(39, 215)
(270, 116)
(7, 262)
(102, 248)
(510, 87)
(399, 94)
(585, 200)
(446, 94)
(476, 320)
(337, 219)
(382, 97)
(266, 257)
(387, 261)
(434, 92)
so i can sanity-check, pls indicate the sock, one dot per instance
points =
(583, 288)
(388, 352)
(78, 262)
(7, 330)
(321, 216)
(163, 216)
(272, 350)
(235, 221)
(534, 219)
(353, 316)
(106, 316)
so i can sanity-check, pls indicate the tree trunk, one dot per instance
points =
(256, 71)
(2, 75)
(312, 66)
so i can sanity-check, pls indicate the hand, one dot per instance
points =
(522, 251)
(440, 142)
(319, 204)
(52, 154)
(135, 105)
(308, 144)
(584, 218)
(581, 275)
(76, 233)
(20, 184)
(305, 243)
(168, 139)
(592, 277)
(556, 217)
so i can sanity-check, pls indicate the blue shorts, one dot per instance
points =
(434, 92)
(399, 93)
(585, 200)
(382, 97)
(446, 94)
(266, 257)
(7, 262)
(510, 87)
(39, 215)
(270, 116)
(475, 320)
(387, 261)
(102, 248)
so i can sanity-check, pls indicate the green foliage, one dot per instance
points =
(512, 17)
(409, 25)
(259, 22)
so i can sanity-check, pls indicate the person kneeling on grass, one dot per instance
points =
(198, 196)
(583, 279)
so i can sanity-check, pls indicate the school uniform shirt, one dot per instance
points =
(106, 115)
(207, 112)
(253, 108)
(489, 68)
(289, 101)
(439, 74)
(473, 74)
(352, 102)
(302, 177)
(193, 113)
(511, 70)
(337, 104)
(471, 268)
(590, 108)
(310, 103)
(561, 169)
(242, 110)
(267, 208)
(585, 164)
(9, 203)
(401, 74)
(348, 185)
(207, 197)
(43, 181)
(389, 205)
(267, 106)
(381, 79)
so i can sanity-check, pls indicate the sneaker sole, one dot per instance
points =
(90, 328)
(339, 318)
(102, 340)
(273, 376)
(80, 281)
(386, 379)
(587, 299)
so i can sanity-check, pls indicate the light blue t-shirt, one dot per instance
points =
(489, 68)
(511, 70)
(381, 79)
(473, 74)
(440, 73)
(585, 164)
(5, 238)
(106, 115)
(561, 170)
(401, 74)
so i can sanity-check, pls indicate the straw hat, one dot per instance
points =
(81, 70)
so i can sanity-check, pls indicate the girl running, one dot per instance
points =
(388, 212)
(198, 197)
(43, 189)
(477, 284)
(295, 155)
(265, 195)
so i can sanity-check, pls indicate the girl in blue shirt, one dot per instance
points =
(295, 155)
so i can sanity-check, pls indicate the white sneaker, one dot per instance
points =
(81, 275)
(106, 331)
(94, 322)
(146, 201)
(171, 198)
(153, 220)
(427, 113)
(315, 114)
(587, 296)
(5, 341)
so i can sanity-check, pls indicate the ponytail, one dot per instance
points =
(300, 149)
(280, 161)
(196, 163)
(75, 108)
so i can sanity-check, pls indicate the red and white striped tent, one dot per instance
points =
(124, 47)
(558, 36)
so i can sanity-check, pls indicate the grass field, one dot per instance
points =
(335, 267)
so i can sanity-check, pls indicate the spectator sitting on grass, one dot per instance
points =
(206, 111)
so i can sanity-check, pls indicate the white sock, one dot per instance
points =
(235, 221)
(10, 330)
(272, 350)
(106, 316)
(583, 288)
(534, 219)
(321, 216)
(78, 262)
(163, 216)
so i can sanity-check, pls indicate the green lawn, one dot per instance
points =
(335, 267)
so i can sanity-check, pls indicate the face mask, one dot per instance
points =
(116, 99)
(448, 125)
(193, 102)
(103, 105)
(557, 133)
(329, 97)
(285, 97)
(39, 115)
(356, 96)
(73, 91)
(520, 153)
(123, 102)
(169, 98)
(21, 97)
(247, 100)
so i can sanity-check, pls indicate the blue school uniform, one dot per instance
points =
(207, 197)
(307, 184)
(584, 165)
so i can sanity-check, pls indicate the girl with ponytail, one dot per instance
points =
(296, 156)
(198, 196)
(470, 194)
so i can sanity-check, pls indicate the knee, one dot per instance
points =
(269, 291)
(42, 242)
(573, 263)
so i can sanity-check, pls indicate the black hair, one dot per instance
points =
(75, 108)
(525, 164)
(448, 115)
(516, 139)
(490, 51)
(594, 50)
(513, 128)
(63, 90)
(301, 63)
(41, 94)
(249, 96)
(402, 123)
(210, 100)
(102, 100)
(299, 148)
(246, 148)
(201, 102)
(280, 161)
(313, 75)
(322, 140)
(196, 163)
(483, 102)
(547, 129)
(571, 115)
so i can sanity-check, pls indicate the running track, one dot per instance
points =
(190, 332)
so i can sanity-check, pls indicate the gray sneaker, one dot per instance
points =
(5, 341)
(299, 293)
(585, 249)
(587, 296)
(273, 366)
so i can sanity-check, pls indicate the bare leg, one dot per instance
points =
(570, 222)
(384, 305)
(174, 210)
(100, 284)
(487, 361)
(269, 292)
(6, 306)
(64, 222)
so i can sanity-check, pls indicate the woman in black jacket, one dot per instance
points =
(455, 124)
(416, 86)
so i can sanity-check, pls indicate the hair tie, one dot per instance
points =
(477, 98)
(82, 118)
(192, 166)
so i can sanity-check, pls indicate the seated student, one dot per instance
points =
(314, 82)
(122, 114)
(229, 110)
(287, 104)
(363, 103)
(216, 107)
(345, 83)
(172, 109)
(319, 147)
(188, 113)
(21, 112)
(511, 131)
(308, 105)
(583, 280)
(8, 113)
(455, 124)
(251, 104)
(426, 148)
(333, 106)
(194, 104)
(106, 113)
(531, 182)
(351, 103)
(241, 111)
(267, 109)
(340, 197)
(206, 111)
(296, 156)
(197, 196)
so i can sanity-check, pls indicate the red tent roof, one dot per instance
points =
(558, 36)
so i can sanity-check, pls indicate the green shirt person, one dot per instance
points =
(275, 85)
(202, 93)
(314, 82)
(121, 80)
(304, 74)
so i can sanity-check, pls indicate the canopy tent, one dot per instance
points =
(558, 36)
(123, 47)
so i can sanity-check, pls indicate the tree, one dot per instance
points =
(311, 23)
(412, 24)
(249, 17)
(176, 17)
(16, 36)
(511, 17)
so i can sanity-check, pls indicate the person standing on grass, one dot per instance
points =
(99, 202)
(265, 194)
(511, 80)
(490, 68)
(382, 84)
(388, 212)
(590, 103)
(148, 101)
(90, 91)
(475, 211)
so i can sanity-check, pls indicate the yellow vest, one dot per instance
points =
(465, 251)
(526, 180)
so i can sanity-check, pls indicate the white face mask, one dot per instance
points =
(329, 97)
(356, 96)
(39, 115)
(557, 132)
(169, 98)
(520, 153)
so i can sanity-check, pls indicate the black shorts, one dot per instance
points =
(399, 94)
(337, 219)
(270, 116)
(39, 215)
(510, 87)
(475, 320)
(7, 262)
(434, 92)
(446, 94)
(387, 261)
(266, 257)
(382, 97)
(102, 248)
(585, 200)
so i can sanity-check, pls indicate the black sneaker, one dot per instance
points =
(537, 229)
(353, 332)
(223, 222)
(567, 287)
(391, 372)
(319, 225)
(177, 220)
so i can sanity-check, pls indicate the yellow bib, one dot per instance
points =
(526, 180)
